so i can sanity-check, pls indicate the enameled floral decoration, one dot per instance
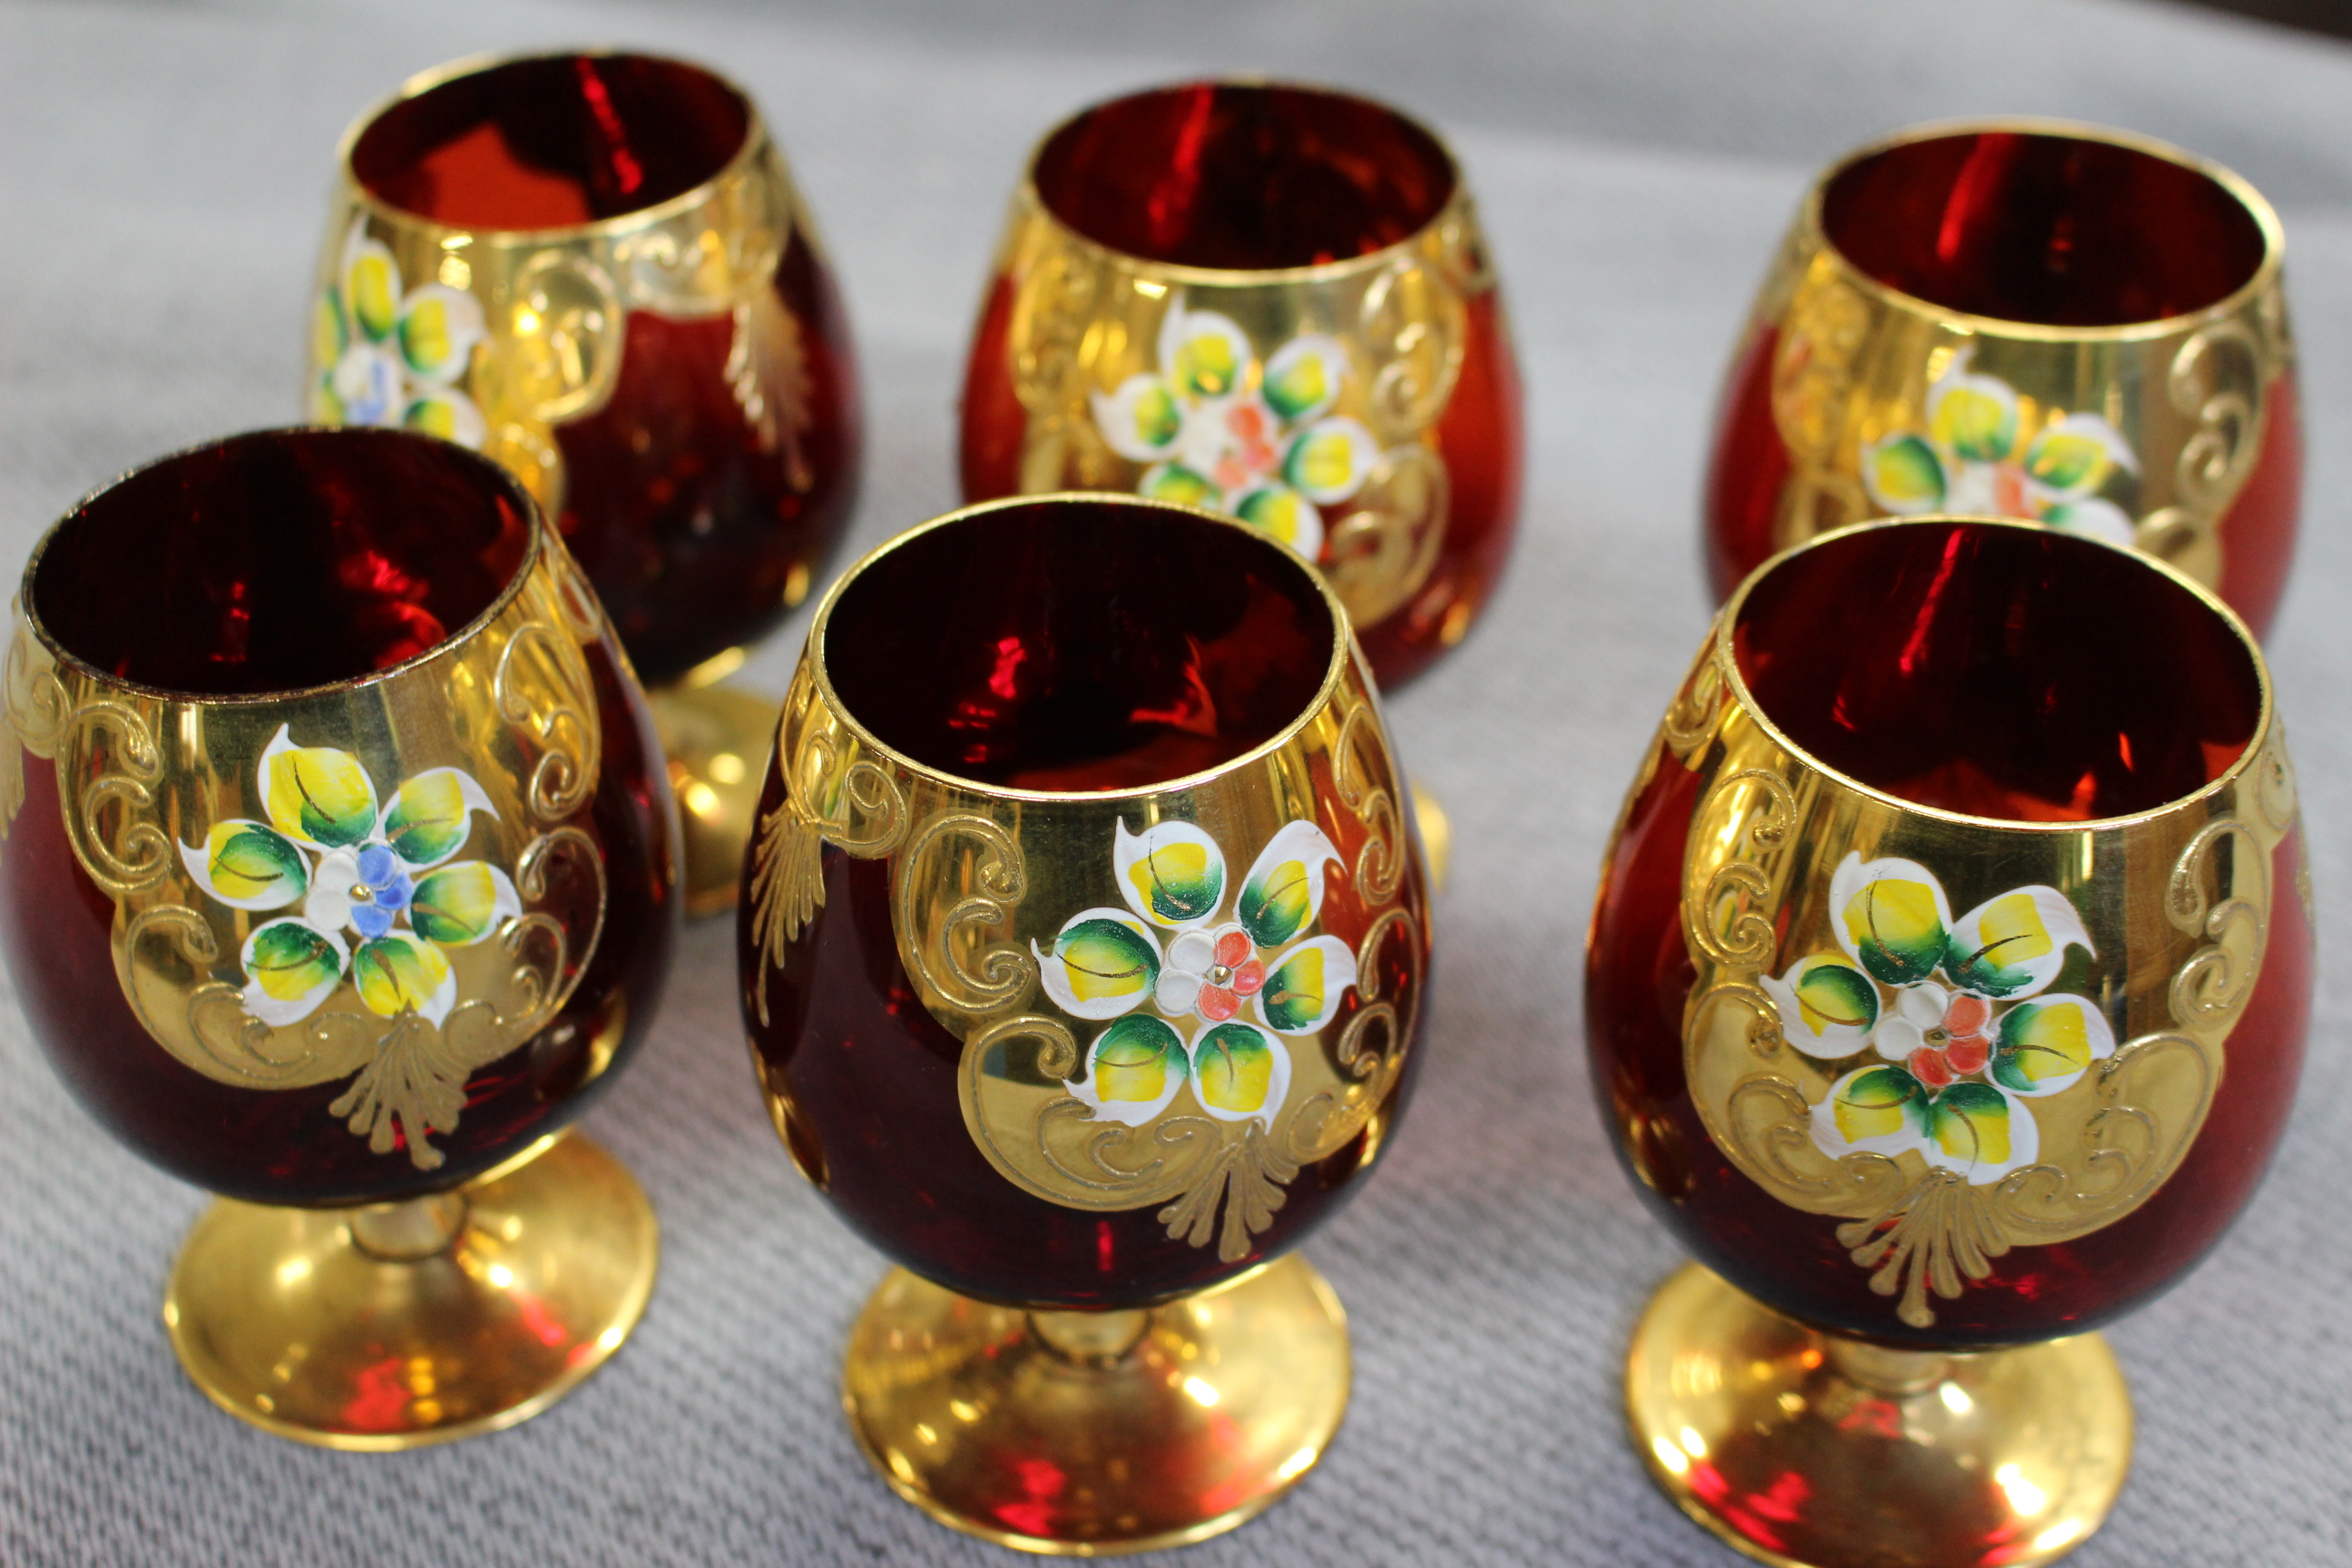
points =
(1982, 454)
(1213, 1007)
(1248, 436)
(392, 359)
(1955, 1014)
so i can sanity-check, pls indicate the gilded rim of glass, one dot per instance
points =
(1457, 198)
(1720, 647)
(1334, 674)
(532, 554)
(755, 136)
(2265, 275)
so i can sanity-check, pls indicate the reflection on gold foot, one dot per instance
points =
(403, 1324)
(716, 739)
(1811, 1450)
(1086, 1433)
(1436, 834)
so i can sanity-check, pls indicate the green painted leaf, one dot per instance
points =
(248, 866)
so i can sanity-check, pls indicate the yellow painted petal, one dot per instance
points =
(370, 286)
(316, 794)
(1904, 475)
(1284, 513)
(1142, 420)
(398, 974)
(1973, 416)
(1305, 377)
(2014, 945)
(2045, 1044)
(1890, 917)
(1171, 873)
(1331, 461)
(1240, 1073)
(438, 329)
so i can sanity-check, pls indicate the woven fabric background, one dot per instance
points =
(162, 171)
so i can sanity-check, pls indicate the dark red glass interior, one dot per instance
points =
(1080, 645)
(1243, 176)
(2055, 230)
(281, 560)
(2000, 671)
(552, 142)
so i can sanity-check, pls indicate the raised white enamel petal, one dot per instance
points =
(1896, 1037)
(1923, 1006)
(1173, 874)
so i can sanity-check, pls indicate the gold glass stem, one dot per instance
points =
(412, 1231)
(1086, 1433)
(1812, 1451)
(716, 739)
(402, 1325)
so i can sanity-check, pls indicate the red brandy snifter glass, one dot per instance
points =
(595, 267)
(1946, 992)
(1083, 948)
(1272, 301)
(339, 876)
(2025, 319)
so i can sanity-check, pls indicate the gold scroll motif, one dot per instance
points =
(134, 771)
(549, 314)
(2182, 411)
(2170, 963)
(1086, 320)
(981, 886)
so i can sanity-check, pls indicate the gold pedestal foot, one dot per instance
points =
(1086, 1433)
(716, 739)
(403, 1324)
(1810, 1450)
(1436, 834)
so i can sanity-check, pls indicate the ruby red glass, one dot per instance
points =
(1241, 180)
(274, 564)
(1041, 648)
(2000, 673)
(695, 527)
(2069, 236)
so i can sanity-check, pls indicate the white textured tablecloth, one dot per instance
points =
(163, 170)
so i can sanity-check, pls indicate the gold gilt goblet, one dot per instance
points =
(595, 267)
(339, 876)
(2029, 319)
(1275, 301)
(1083, 950)
(1947, 990)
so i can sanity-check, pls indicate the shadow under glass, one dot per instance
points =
(2058, 230)
(281, 560)
(1241, 177)
(1998, 671)
(552, 142)
(1079, 645)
